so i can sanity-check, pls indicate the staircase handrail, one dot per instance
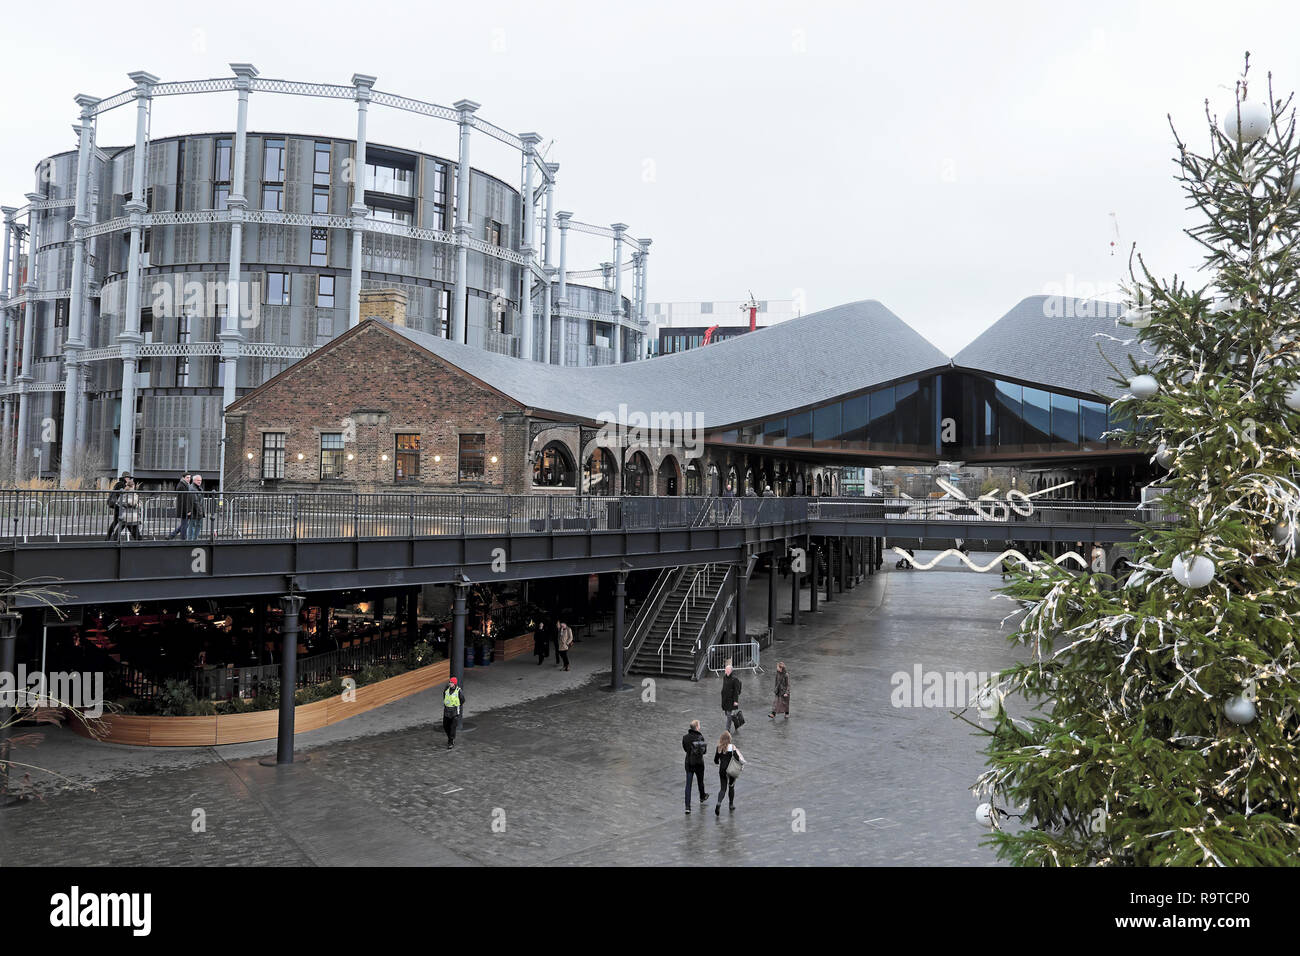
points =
(666, 583)
(693, 594)
(713, 622)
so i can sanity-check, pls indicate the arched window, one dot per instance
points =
(694, 480)
(667, 484)
(636, 475)
(553, 467)
(598, 473)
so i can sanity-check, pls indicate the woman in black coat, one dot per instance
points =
(722, 756)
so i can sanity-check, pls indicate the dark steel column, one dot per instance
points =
(740, 603)
(413, 615)
(377, 609)
(616, 651)
(814, 568)
(846, 564)
(291, 605)
(794, 594)
(459, 593)
(771, 594)
(830, 570)
(9, 621)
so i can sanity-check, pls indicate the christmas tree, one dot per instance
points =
(1166, 698)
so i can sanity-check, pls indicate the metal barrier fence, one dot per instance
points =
(743, 657)
(85, 515)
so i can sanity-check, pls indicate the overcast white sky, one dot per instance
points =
(946, 159)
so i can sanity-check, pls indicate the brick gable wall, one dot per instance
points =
(371, 387)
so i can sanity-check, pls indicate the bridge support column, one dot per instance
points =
(616, 651)
(741, 582)
(9, 621)
(771, 594)
(459, 594)
(413, 614)
(291, 605)
(830, 569)
(814, 567)
(794, 595)
(847, 570)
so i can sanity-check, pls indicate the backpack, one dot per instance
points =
(699, 747)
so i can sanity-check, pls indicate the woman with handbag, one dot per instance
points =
(730, 762)
(128, 510)
(782, 703)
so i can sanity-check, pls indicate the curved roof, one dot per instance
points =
(1055, 341)
(762, 373)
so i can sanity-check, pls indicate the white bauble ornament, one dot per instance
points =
(1252, 119)
(1239, 710)
(990, 704)
(984, 814)
(1164, 456)
(1138, 317)
(1295, 186)
(1293, 398)
(1286, 532)
(1143, 386)
(1193, 570)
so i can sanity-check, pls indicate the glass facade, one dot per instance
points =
(947, 415)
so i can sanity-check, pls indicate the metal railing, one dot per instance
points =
(743, 657)
(665, 584)
(43, 516)
(715, 620)
(697, 591)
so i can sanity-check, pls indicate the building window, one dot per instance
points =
(320, 200)
(494, 233)
(221, 196)
(182, 361)
(221, 161)
(473, 457)
(444, 307)
(60, 313)
(553, 468)
(273, 198)
(706, 308)
(273, 161)
(321, 166)
(277, 288)
(390, 178)
(272, 455)
(331, 455)
(385, 214)
(319, 247)
(324, 292)
(407, 454)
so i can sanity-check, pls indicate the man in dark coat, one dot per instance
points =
(183, 490)
(696, 747)
(118, 487)
(730, 697)
(196, 509)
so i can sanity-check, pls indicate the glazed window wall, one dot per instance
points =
(976, 414)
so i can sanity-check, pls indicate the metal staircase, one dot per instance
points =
(688, 610)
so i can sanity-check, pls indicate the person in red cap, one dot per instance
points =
(453, 699)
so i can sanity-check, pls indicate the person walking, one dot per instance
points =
(563, 641)
(183, 489)
(453, 700)
(782, 703)
(723, 756)
(128, 509)
(114, 499)
(196, 509)
(696, 747)
(730, 698)
(540, 643)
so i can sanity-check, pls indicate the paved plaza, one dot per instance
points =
(559, 771)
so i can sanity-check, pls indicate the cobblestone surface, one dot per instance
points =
(560, 771)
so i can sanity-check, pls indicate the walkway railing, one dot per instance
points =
(45, 516)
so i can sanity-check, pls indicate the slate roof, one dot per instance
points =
(1053, 341)
(772, 370)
